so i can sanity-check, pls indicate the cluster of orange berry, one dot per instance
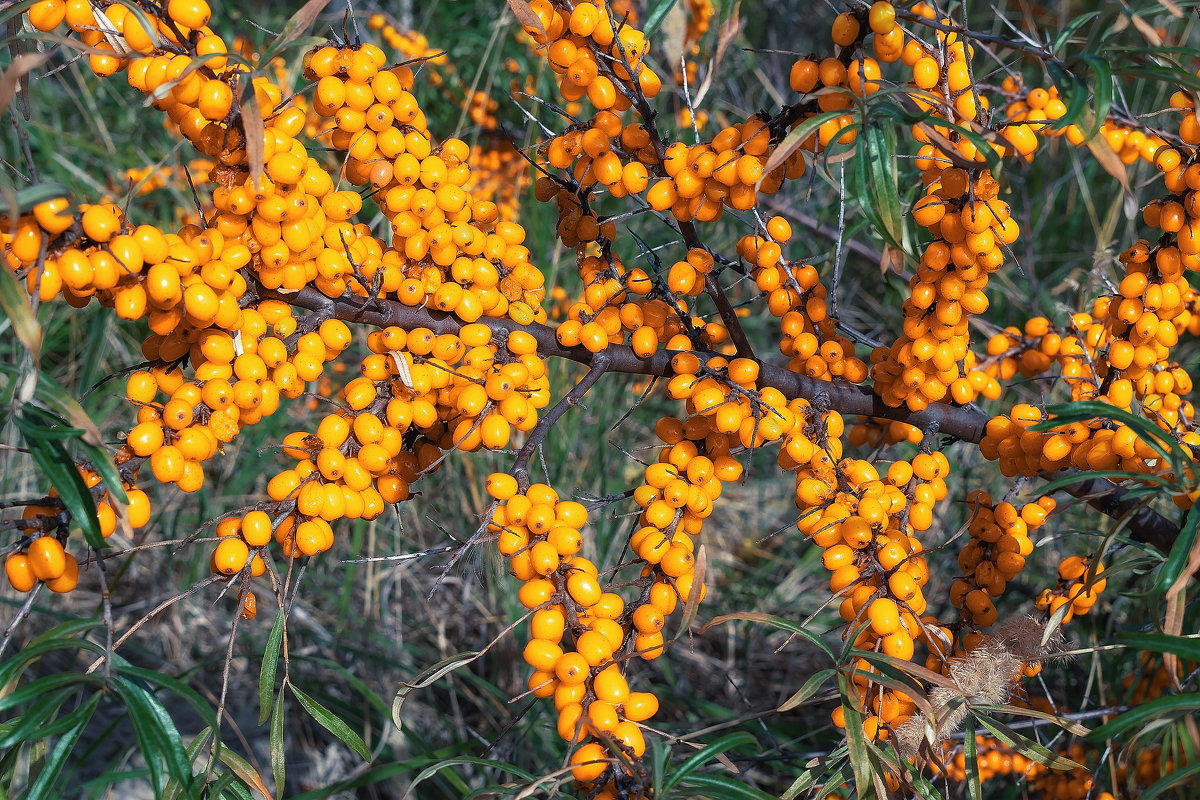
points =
(498, 171)
(42, 559)
(875, 432)
(578, 632)
(1151, 677)
(288, 229)
(795, 295)
(1032, 113)
(1119, 353)
(593, 56)
(614, 305)
(699, 20)
(933, 358)
(1079, 586)
(702, 180)
(994, 759)
(449, 250)
(995, 555)
(1072, 784)
(865, 524)
(152, 178)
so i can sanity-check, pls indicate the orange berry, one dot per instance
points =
(46, 558)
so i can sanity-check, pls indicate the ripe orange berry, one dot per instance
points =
(19, 572)
(884, 616)
(46, 558)
(69, 578)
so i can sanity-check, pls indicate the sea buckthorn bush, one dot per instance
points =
(651, 403)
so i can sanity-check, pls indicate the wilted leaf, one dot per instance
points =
(525, 15)
(428, 677)
(674, 34)
(18, 69)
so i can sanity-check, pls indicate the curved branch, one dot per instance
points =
(961, 422)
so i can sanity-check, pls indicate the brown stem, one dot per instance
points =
(960, 422)
(520, 469)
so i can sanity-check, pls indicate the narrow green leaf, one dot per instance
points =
(15, 302)
(795, 138)
(1070, 30)
(855, 740)
(330, 722)
(350, 678)
(1069, 725)
(877, 185)
(34, 719)
(244, 772)
(1026, 746)
(51, 456)
(173, 789)
(402, 769)
(806, 691)
(444, 763)
(31, 196)
(1184, 776)
(175, 686)
(57, 759)
(774, 622)
(1102, 84)
(1073, 92)
(278, 749)
(722, 786)
(706, 754)
(1180, 555)
(971, 759)
(156, 732)
(426, 678)
(44, 686)
(1185, 647)
(266, 674)
(297, 24)
(1157, 709)
(1166, 75)
(655, 18)
(800, 785)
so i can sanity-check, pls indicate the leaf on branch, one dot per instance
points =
(1112, 164)
(15, 302)
(525, 15)
(1146, 30)
(795, 137)
(252, 127)
(332, 723)
(428, 677)
(299, 23)
(693, 602)
(18, 69)
(891, 259)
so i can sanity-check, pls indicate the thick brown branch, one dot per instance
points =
(845, 398)
(965, 423)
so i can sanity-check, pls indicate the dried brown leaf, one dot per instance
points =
(673, 34)
(252, 125)
(525, 15)
(1146, 30)
(18, 69)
